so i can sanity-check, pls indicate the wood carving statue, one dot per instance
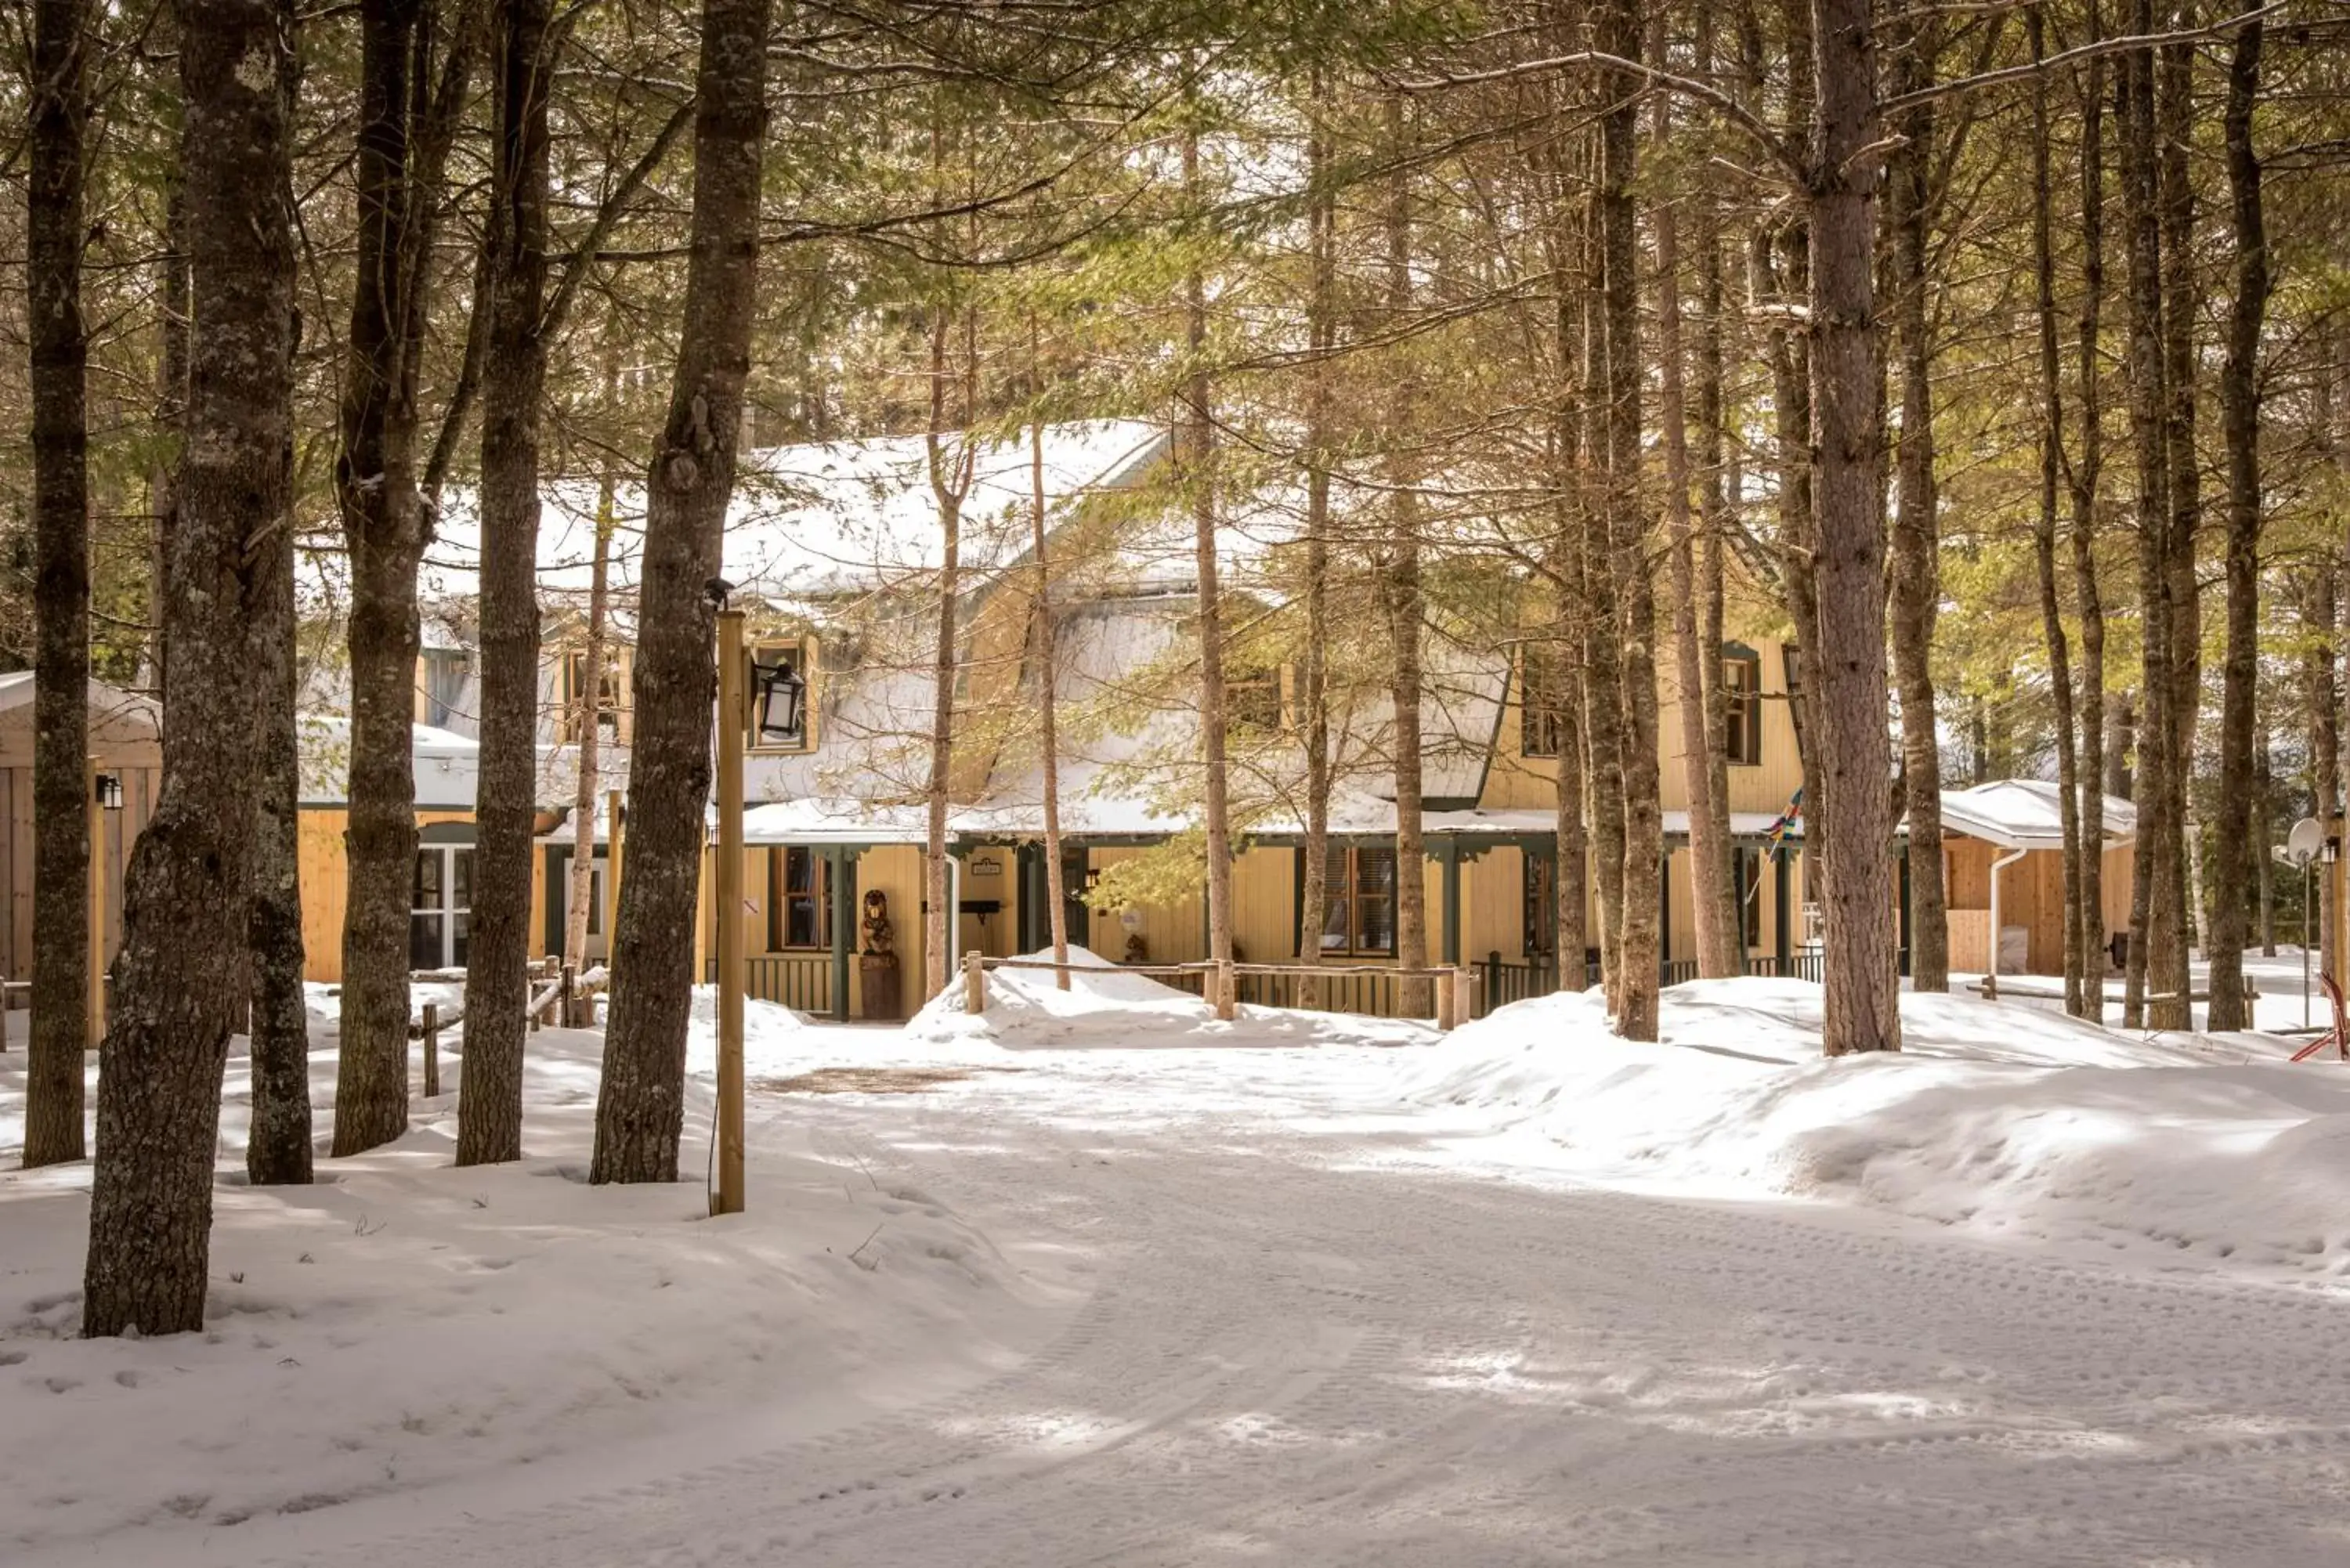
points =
(880, 935)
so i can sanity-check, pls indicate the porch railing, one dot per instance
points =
(798, 980)
(1504, 981)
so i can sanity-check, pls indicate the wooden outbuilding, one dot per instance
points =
(2004, 865)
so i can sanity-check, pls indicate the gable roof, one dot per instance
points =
(2026, 814)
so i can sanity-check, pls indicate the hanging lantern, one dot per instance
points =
(778, 698)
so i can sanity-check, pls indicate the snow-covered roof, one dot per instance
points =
(119, 721)
(448, 766)
(834, 820)
(2026, 814)
(806, 521)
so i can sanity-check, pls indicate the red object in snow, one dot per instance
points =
(2340, 1038)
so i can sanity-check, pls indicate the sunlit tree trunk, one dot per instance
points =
(640, 1109)
(406, 120)
(489, 1112)
(2051, 463)
(1861, 1010)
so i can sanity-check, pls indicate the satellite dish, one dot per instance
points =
(2305, 842)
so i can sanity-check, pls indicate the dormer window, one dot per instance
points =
(1253, 699)
(781, 699)
(1741, 692)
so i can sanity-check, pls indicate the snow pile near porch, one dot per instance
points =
(2003, 1119)
(404, 1323)
(1105, 1006)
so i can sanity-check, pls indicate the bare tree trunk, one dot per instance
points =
(277, 1150)
(186, 896)
(1602, 675)
(1569, 674)
(949, 477)
(1861, 1004)
(1321, 310)
(1056, 893)
(2156, 876)
(1715, 502)
(2051, 463)
(2087, 469)
(61, 352)
(1712, 887)
(2174, 112)
(1642, 940)
(404, 130)
(2240, 415)
(1916, 578)
(1200, 482)
(514, 370)
(1401, 586)
(640, 1106)
(590, 719)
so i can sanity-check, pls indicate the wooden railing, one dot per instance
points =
(802, 980)
(1504, 981)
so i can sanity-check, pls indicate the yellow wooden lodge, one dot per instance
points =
(833, 564)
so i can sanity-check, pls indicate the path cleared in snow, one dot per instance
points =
(1326, 1325)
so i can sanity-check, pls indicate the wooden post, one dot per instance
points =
(1227, 989)
(975, 983)
(95, 806)
(1446, 985)
(1464, 995)
(566, 1006)
(431, 1050)
(732, 714)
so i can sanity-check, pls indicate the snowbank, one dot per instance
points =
(1996, 1117)
(403, 1323)
(1105, 1005)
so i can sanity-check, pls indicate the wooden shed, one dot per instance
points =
(125, 743)
(2004, 865)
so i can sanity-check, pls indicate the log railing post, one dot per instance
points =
(431, 1050)
(1226, 984)
(975, 983)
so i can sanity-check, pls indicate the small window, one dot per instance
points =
(1741, 686)
(799, 905)
(1542, 702)
(781, 696)
(1359, 916)
(444, 671)
(1253, 699)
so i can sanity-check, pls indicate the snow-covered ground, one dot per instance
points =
(1521, 1294)
(404, 1323)
(2279, 1004)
